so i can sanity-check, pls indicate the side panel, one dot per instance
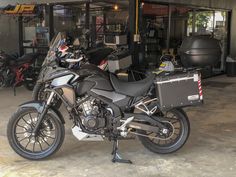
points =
(69, 95)
(115, 97)
(122, 101)
(62, 80)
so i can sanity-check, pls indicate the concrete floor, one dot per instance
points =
(210, 151)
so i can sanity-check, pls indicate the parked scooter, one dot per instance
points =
(16, 71)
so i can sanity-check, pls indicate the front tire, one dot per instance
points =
(47, 141)
(164, 146)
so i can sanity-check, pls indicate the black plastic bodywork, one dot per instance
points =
(83, 87)
(48, 73)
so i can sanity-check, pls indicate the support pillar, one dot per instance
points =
(133, 14)
(49, 20)
(20, 35)
(87, 15)
(169, 27)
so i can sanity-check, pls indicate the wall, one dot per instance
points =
(8, 34)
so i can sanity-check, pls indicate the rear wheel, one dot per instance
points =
(170, 139)
(44, 143)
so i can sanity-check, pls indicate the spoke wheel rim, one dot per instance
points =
(34, 145)
(173, 136)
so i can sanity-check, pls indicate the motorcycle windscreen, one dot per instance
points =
(54, 45)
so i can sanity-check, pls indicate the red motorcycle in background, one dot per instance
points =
(16, 71)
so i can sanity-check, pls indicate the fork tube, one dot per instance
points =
(50, 98)
(41, 116)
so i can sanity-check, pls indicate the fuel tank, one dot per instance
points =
(94, 82)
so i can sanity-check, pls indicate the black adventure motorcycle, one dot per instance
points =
(100, 106)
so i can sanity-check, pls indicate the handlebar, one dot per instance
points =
(73, 60)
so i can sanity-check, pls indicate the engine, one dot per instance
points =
(92, 115)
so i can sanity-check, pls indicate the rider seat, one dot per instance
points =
(133, 89)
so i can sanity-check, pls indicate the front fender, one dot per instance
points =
(40, 105)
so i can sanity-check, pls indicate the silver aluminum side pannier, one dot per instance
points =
(179, 90)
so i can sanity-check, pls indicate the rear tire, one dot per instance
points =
(19, 127)
(177, 144)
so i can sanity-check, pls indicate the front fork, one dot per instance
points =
(42, 114)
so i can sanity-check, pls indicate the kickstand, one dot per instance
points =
(116, 156)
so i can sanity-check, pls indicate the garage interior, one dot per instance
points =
(211, 148)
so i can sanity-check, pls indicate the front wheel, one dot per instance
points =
(44, 143)
(172, 138)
